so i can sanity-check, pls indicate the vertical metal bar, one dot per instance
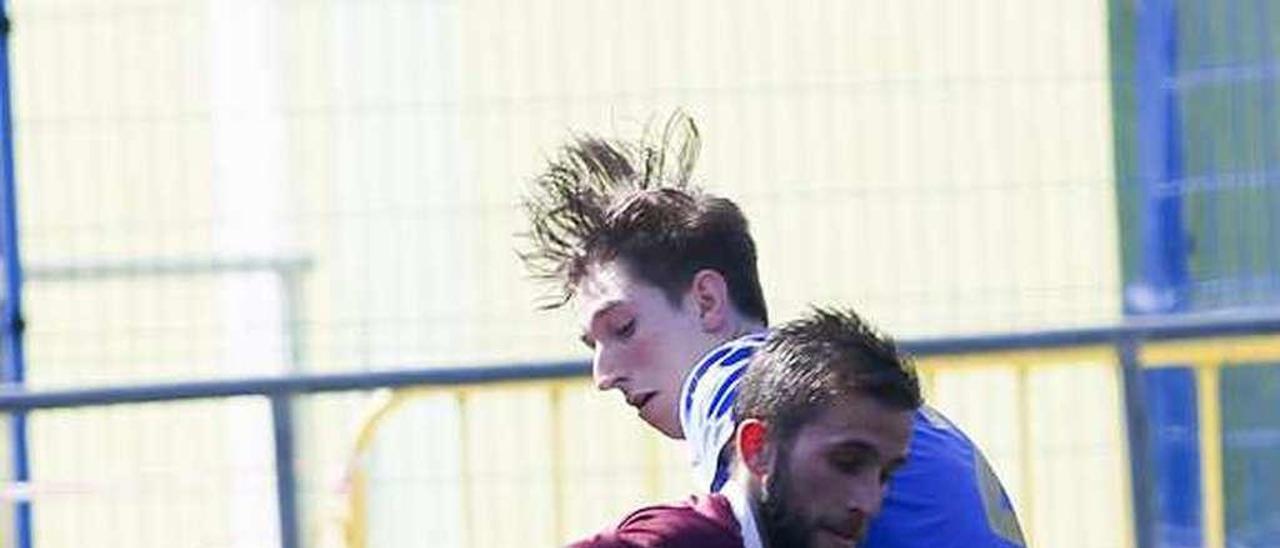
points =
(1211, 481)
(281, 407)
(291, 316)
(1025, 452)
(1162, 283)
(465, 472)
(1136, 424)
(555, 401)
(929, 380)
(14, 356)
(286, 483)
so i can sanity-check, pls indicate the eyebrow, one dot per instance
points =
(864, 447)
(856, 445)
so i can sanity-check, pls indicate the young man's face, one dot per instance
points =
(643, 344)
(830, 481)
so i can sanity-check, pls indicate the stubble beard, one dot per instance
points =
(783, 527)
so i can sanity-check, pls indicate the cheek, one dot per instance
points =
(818, 481)
(674, 346)
(636, 357)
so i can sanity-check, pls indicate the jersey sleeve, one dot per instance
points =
(947, 495)
(670, 526)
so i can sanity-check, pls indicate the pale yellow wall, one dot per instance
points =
(943, 166)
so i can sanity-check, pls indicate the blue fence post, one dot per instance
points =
(1137, 431)
(1162, 284)
(286, 478)
(11, 322)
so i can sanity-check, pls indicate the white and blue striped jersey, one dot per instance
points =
(706, 406)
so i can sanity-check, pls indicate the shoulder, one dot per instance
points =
(939, 450)
(948, 485)
(938, 441)
(699, 521)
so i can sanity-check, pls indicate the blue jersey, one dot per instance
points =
(945, 496)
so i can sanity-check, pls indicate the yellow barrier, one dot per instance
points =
(1208, 356)
(1027, 372)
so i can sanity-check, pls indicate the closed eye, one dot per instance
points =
(626, 330)
(851, 462)
(858, 457)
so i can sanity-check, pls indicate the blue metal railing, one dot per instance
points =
(1126, 338)
(17, 400)
(11, 322)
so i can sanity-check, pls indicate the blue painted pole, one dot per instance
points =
(1141, 480)
(1163, 283)
(11, 322)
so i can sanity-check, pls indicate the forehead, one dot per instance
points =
(858, 419)
(603, 280)
(608, 285)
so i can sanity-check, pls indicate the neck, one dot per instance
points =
(741, 327)
(743, 498)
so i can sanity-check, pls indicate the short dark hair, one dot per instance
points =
(807, 364)
(601, 200)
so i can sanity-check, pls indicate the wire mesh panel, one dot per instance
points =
(945, 171)
(1226, 87)
(189, 474)
(1195, 102)
(943, 168)
(217, 188)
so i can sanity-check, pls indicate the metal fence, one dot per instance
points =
(1208, 344)
(1195, 96)
(246, 189)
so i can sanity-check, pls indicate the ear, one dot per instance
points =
(753, 447)
(710, 294)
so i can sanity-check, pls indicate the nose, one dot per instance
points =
(866, 494)
(602, 370)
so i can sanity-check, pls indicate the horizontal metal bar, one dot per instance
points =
(1215, 182)
(1155, 329)
(1188, 327)
(1211, 75)
(162, 267)
(16, 400)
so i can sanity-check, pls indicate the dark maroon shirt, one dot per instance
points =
(704, 521)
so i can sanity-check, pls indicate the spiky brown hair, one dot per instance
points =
(604, 199)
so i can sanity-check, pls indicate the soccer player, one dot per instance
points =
(825, 415)
(664, 277)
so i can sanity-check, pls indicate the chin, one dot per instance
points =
(668, 430)
(824, 540)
